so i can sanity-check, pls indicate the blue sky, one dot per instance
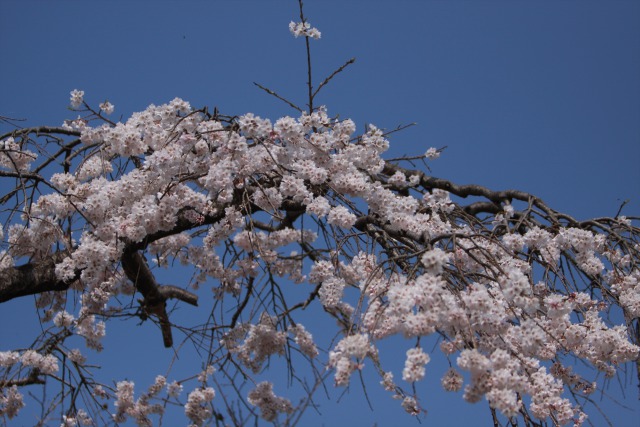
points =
(542, 96)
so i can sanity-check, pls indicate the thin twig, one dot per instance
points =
(345, 65)
(270, 92)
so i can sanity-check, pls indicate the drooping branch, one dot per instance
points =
(154, 295)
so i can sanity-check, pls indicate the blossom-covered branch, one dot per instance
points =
(303, 213)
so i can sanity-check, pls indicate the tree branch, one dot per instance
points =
(32, 278)
(154, 296)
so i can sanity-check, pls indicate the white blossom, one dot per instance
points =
(414, 365)
(432, 153)
(269, 404)
(11, 401)
(304, 29)
(77, 98)
(107, 107)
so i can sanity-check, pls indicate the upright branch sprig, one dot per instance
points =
(308, 33)
(304, 28)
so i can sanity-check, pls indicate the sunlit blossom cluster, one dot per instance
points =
(348, 356)
(414, 365)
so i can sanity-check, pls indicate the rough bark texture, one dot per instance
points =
(31, 279)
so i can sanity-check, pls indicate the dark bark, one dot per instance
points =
(32, 278)
(155, 296)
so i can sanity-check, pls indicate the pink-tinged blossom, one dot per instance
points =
(434, 260)
(92, 331)
(197, 408)
(140, 409)
(357, 346)
(100, 392)
(174, 389)
(268, 199)
(93, 167)
(11, 401)
(304, 340)
(331, 291)
(262, 341)
(508, 210)
(6, 260)
(414, 364)
(452, 380)
(76, 356)
(289, 129)
(9, 358)
(353, 346)
(341, 217)
(81, 418)
(63, 319)
(204, 375)
(513, 242)
(398, 178)
(269, 404)
(46, 364)
(307, 169)
(319, 207)
(387, 382)
(158, 385)
(295, 188)
(410, 405)
(254, 127)
(69, 421)
(13, 157)
(124, 403)
(505, 400)
(321, 271)
(474, 362)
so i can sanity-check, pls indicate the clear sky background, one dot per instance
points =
(541, 96)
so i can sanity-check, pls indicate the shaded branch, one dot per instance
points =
(41, 130)
(154, 296)
(32, 278)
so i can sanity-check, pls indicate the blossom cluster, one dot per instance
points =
(414, 365)
(354, 346)
(13, 157)
(11, 401)
(304, 29)
(46, 364)
(197, 409)
(80, 418)
(269, 404)
(139, 410)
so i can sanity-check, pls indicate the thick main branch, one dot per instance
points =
(32, 279)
